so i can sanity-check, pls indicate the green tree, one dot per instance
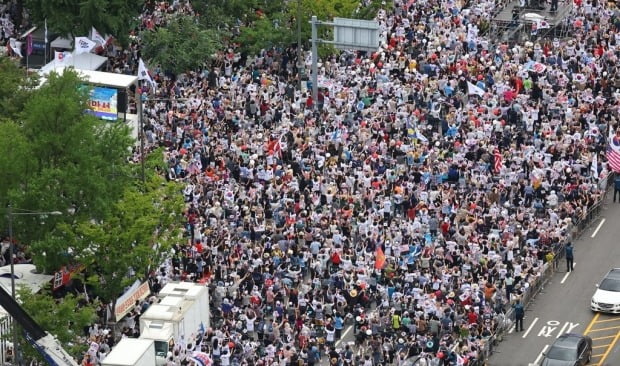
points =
(181, 45)
(14, 88)
(264, 33)
(76, 17)
(15, 158)
(224, 13)
(68, 161)
(64, 318)
(133, 240)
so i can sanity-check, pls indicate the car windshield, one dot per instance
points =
(562, 354)
(610, 285)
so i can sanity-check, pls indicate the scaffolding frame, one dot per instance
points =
(519, 28)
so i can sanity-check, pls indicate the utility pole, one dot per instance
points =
(9, 215)
(300, 62)
(141, 135)
(315, 60)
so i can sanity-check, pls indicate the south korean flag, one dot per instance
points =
(143, 73)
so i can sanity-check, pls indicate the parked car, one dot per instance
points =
(606, 298)
(569, 350)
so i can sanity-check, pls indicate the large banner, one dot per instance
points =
(103, 103)
(124, 304)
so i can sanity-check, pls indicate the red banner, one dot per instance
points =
(65, 275)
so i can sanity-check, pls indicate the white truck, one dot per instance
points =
(132, 352)
(182, 312)
(190, 291)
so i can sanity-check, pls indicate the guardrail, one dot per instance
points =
(507, 321)
(549, 269)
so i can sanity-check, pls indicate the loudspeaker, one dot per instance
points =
(122, 102)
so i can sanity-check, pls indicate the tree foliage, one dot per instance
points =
(264, 33)
(64, 318)
(15, 158)
(133, 239)
(68, 157)
(76, 17)
(181, 45)
(15, 88)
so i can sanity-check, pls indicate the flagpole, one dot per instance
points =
(45, 60)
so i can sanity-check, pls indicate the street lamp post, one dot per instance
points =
(141, 136)
(10, 214)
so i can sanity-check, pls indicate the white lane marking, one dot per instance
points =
(530, 328)
(598, 228)
(540, 355)
(568, 273)
(562, 330)
(344, 335)
(512, 329)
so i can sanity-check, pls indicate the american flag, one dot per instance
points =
(498, 161)
(613, 151)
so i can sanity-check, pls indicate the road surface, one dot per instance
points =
(563, 305)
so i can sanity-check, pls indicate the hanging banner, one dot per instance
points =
(65, 275)
(126, 302)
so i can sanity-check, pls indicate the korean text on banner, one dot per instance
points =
(126, 302)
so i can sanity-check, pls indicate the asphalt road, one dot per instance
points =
(563, 305)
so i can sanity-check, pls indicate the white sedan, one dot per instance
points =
(607, 296)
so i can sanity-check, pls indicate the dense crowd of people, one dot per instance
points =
(416, 199)
(403, 211)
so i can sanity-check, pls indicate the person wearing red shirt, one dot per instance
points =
(472, 317)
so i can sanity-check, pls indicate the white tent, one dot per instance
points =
(62, 43)
(119, 81)
(82, 61)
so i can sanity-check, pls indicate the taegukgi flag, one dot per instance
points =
(143, 73)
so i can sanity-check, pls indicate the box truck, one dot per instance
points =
(132, 352)
(182, 311)
(190, 291)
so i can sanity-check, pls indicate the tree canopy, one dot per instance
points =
(133, 240)
(182, 45)
(188, 41)
(64, 318)
(56, 157)
(76, 17)
(59, 157)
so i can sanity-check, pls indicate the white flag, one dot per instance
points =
(62, 58)
(421, 137)
(16, 46)
(96, 36)
(83, 45)
(46, 32)
(473, 89)
(143, 73)
(594, 166)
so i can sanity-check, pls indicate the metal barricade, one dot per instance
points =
(579, 226)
